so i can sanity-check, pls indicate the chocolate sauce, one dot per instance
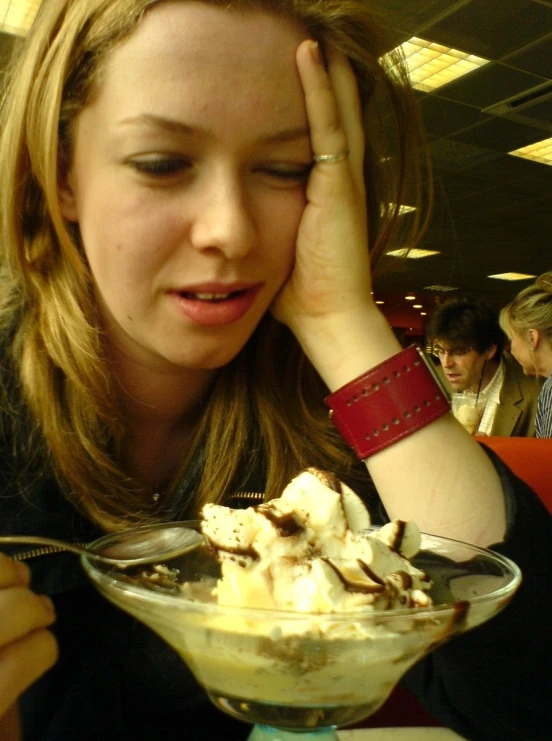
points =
(459, 615)
(400, 530)
(406, 579)
(369, 573)
(286, 524)
(240, 552)
(360, 587)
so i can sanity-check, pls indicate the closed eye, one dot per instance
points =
(285, 173)
(161, 166)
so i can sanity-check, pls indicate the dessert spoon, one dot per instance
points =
(148, 544)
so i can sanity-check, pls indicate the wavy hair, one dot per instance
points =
(265, 407)
(530, 309)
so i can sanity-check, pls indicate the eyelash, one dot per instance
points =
(299, 175)
(161, 167)
(167, 167)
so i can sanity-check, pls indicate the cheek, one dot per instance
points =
(280, 219)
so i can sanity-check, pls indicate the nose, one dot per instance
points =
(223, 221)
(447, 361)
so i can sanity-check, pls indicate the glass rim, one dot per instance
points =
(111, 577)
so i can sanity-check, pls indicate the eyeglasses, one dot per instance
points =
(454, 353)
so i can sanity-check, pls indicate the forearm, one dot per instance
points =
(437, 476)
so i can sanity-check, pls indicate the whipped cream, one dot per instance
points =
(310, 551)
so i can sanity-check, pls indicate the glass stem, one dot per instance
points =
(267, 733)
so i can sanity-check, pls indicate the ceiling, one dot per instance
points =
(492, 211)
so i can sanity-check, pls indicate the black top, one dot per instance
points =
(116, 679)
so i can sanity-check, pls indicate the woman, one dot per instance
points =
(187, 275)
(527, 321)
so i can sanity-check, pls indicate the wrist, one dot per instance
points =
(343, 346)
(388, 403)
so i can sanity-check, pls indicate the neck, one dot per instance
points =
(543, 358)
(487, 373)
(161, 405)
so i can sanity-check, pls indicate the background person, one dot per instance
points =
(527, 321)
(466, 337)
(188, 199)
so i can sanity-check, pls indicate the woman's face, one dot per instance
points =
(188, 181)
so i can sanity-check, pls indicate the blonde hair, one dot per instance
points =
(266, 405)
(530, 309)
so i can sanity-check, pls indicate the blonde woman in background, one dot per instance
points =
(527, 321)
(192, 194)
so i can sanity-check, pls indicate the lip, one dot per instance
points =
(235, 300)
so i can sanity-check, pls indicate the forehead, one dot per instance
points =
(214, 57)
(451, 345)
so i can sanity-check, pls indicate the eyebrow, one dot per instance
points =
(179, 127)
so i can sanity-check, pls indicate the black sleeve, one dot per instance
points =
(495, 681)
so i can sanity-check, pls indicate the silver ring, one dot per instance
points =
(331, 159)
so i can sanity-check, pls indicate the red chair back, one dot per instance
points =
(530, 458)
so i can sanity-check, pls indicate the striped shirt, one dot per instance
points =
(543, 419)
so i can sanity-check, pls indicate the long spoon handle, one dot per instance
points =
(40, 540)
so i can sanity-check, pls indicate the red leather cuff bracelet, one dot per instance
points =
(389, 402)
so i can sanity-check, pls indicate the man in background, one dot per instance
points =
(466, 337)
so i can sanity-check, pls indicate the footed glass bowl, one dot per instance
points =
(302, 673)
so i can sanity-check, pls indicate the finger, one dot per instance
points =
(326, 132)
(23, 662)
(345, 89)
(13, 573)
(22, 612)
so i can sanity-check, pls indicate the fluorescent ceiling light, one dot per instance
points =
(380, 302)
(413, 254)
(511, 276)
(16, 16)
(538, 152)
(410, 297)
(432, 65)
(404, 209)
(440, 288)
(417, 306)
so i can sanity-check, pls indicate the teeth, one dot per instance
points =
(211, 296)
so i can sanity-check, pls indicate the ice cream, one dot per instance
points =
(309, 551)
(468, 412)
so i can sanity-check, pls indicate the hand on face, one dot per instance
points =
(27, 650)
(331, 274)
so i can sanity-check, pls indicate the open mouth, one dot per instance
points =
(211, 297)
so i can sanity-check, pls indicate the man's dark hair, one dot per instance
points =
(466, 323)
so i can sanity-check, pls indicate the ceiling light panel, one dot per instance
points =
(511, 276)
(413, 254)
(444, 289)
(537, 152)
(432, 65)
(16, 16)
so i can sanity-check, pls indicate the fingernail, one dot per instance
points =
(315, 52)
(48, 603)
(22, 572)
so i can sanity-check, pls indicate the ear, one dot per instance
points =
(66, 191)
(534, 338)
(491, 352)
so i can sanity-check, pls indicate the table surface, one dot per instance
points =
(400, 734)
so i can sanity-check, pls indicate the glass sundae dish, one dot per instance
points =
(303, 673)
